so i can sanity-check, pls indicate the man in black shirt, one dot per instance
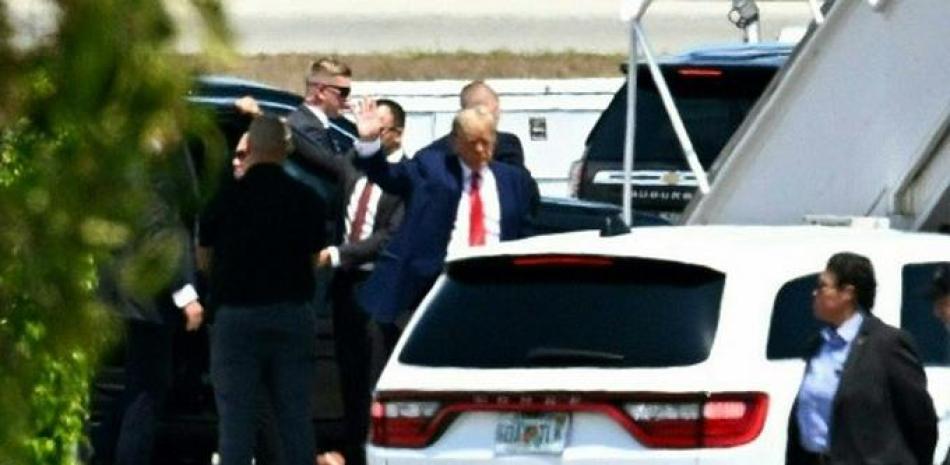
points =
(260, 238)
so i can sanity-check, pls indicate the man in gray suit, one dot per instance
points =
(370, 216)
(328, 86)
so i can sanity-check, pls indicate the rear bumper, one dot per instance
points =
(574, 456)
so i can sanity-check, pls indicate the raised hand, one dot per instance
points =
(367, 120)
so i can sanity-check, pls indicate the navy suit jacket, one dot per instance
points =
(431, 185)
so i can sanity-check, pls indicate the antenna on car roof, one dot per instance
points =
(614, 226)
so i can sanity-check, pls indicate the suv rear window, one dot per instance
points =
(562, 311)
(712, 106)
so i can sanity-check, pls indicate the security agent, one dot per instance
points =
(152, 321)
(864, 395)
(260, 237)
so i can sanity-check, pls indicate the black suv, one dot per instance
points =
(713, 88)
(188, 431)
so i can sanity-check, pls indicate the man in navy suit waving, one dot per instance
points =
(456, 197)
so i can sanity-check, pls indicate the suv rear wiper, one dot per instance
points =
(559, 356)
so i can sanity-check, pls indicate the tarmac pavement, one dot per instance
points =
(385, 26)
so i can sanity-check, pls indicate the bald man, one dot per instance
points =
(456, 197)
(507, 148)
(262, 234)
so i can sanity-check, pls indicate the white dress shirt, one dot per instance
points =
(488, 190)
(327, 124)
(185, 296)
(370, 220)
(320, 114)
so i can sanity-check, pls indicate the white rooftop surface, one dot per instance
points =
(724, 246)
(757, 261)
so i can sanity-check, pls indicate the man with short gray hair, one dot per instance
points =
(262, 233)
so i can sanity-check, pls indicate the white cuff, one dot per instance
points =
(185, 296)
(367, 149)
(334, 256)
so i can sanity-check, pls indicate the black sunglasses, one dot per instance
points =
(344, 91)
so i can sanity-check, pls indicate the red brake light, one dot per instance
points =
(657, 420)
(403, 424)
(699, 72)
(719, 420)
(564, 260)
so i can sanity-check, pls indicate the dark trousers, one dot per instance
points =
(388, 335)
(353, 349)
(266, 437)
(130, 430)
(272, 348)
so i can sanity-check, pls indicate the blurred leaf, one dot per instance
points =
(152, 266)
(83, 111)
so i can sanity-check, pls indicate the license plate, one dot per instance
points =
(538, 433)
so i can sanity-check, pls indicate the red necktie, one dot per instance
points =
(356, 229)
(476, 222)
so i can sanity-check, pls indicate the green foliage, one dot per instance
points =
(89, 115)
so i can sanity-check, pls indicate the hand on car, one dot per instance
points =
(248, 105)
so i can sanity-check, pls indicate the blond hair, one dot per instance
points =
(327, 68)
(474, 120)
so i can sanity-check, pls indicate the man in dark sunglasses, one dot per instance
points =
(319, 117)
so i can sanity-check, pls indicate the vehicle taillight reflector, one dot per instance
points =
(403, 424)
(727, 419)
(657, 420)
(699, 72)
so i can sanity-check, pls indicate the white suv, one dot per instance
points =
(666, 345)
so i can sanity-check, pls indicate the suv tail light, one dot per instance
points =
(657, 420)
(403, 424)
(718, 420)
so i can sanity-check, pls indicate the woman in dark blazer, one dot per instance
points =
(863, 398)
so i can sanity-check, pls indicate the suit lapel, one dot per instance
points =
(325, 137)
(311, 118)
(387, 202)
(505, 195)
(454, 168)
(852, 364)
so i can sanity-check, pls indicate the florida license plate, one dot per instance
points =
(535, 433)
